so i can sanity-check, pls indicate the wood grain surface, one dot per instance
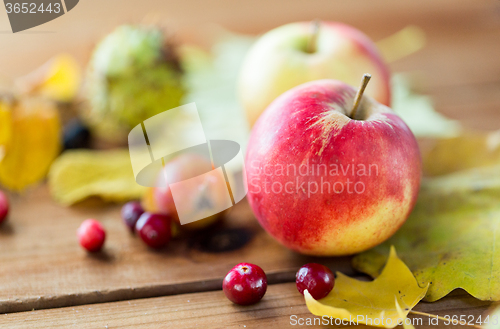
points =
(280, 307)
(41, 263)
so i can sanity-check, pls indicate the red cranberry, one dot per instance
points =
(316, 278)
(131, 212)
(91, 235)
(154, 229)
(245, 284)
(4, 207)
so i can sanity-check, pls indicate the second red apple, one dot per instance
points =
(327, 180)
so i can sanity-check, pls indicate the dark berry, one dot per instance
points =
(76, 135)
(316, 278)
(4, 207)
(131, 212)
(91, 235)
(245, 284)
(154, 229)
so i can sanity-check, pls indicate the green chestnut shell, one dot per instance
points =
(134, 73)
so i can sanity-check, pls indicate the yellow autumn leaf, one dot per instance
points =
(31, 142)
(472, 149)
(59, 79)
(5, 126)
(402, 43)
(372, 303)
(79, 174)
(402, 315)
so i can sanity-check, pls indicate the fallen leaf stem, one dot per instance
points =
(454, 321)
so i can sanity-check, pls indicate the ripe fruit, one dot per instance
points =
(323, 180)
(295, 53)
(131, 212)
(245, 284)
(316, 278)
(200, 197)
(154, 229)
(4, 207)
(91, 235)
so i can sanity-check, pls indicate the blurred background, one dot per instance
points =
(80, 76)
(459, 49)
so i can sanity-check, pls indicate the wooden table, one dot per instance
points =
(47, 281)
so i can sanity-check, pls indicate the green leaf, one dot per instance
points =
(451, 238)
(211, 81)
(418, 111)
(469, 150)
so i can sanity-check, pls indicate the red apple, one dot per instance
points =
(326, 181)
(296, 53)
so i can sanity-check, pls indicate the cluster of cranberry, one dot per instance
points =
(153, 229)
(246, 283)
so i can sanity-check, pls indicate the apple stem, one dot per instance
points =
(311, 45)
(359, 95)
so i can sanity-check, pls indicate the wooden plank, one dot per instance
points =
(477, 106)
(456, 57)
(212, 310)
(43, 265)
